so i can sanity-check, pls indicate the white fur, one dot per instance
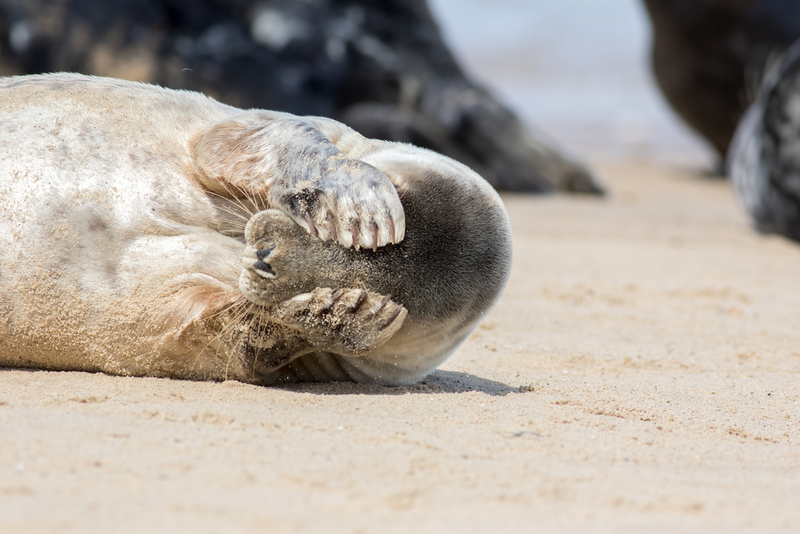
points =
(115, 240)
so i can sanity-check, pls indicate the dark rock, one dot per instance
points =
(381, 67)
(709, 56)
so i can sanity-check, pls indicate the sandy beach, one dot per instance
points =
(640, 374)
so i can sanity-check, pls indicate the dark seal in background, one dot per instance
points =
(709, 56)
(380, 67)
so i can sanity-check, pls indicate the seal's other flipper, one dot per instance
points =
(349, 322)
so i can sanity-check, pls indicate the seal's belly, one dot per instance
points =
(93, 220)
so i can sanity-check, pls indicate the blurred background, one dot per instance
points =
(576, 69)
(575, 72)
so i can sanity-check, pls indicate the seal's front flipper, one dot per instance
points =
(349, 322)
(281, 161)
(346, 201)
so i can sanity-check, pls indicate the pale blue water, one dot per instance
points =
(576, 69)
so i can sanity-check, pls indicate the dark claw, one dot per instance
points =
(355, 229)
(380, 307)
(311, 228)
(391, 319)
(374, 236)
(328, 305)
(360, 300)
(391, 230)
(332, 228)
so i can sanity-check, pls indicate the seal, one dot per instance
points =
(708, 57)
(153, 232)
(764, 159)
(383, 68)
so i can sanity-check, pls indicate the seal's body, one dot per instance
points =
(709, 55)
(764, 159)
(155, 232)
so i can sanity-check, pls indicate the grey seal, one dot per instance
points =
(709, 56)
(764, 159)
(148, 231)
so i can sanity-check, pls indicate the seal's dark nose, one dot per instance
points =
(264, 252)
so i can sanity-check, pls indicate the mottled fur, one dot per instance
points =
(764, 160)
(146, 231)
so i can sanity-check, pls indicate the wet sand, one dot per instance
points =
(639, 374)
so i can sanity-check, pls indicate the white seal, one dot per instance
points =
(154, 232)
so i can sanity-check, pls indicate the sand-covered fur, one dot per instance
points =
(155, 232)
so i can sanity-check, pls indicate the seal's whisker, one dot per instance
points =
(250, 197)
(239, 214)
(224, 308)
(219, 336)
(250, 324)
(261, 320)
(216, 315)
(229, 210)
(234, 198)
(237, 199)
(254, 198)
(239, 341)
(236, 322)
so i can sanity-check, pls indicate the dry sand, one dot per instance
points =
(658, 335)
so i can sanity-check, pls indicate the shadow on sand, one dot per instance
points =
(436, 382)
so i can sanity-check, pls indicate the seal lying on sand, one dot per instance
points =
(154, 232)
(764, 160)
